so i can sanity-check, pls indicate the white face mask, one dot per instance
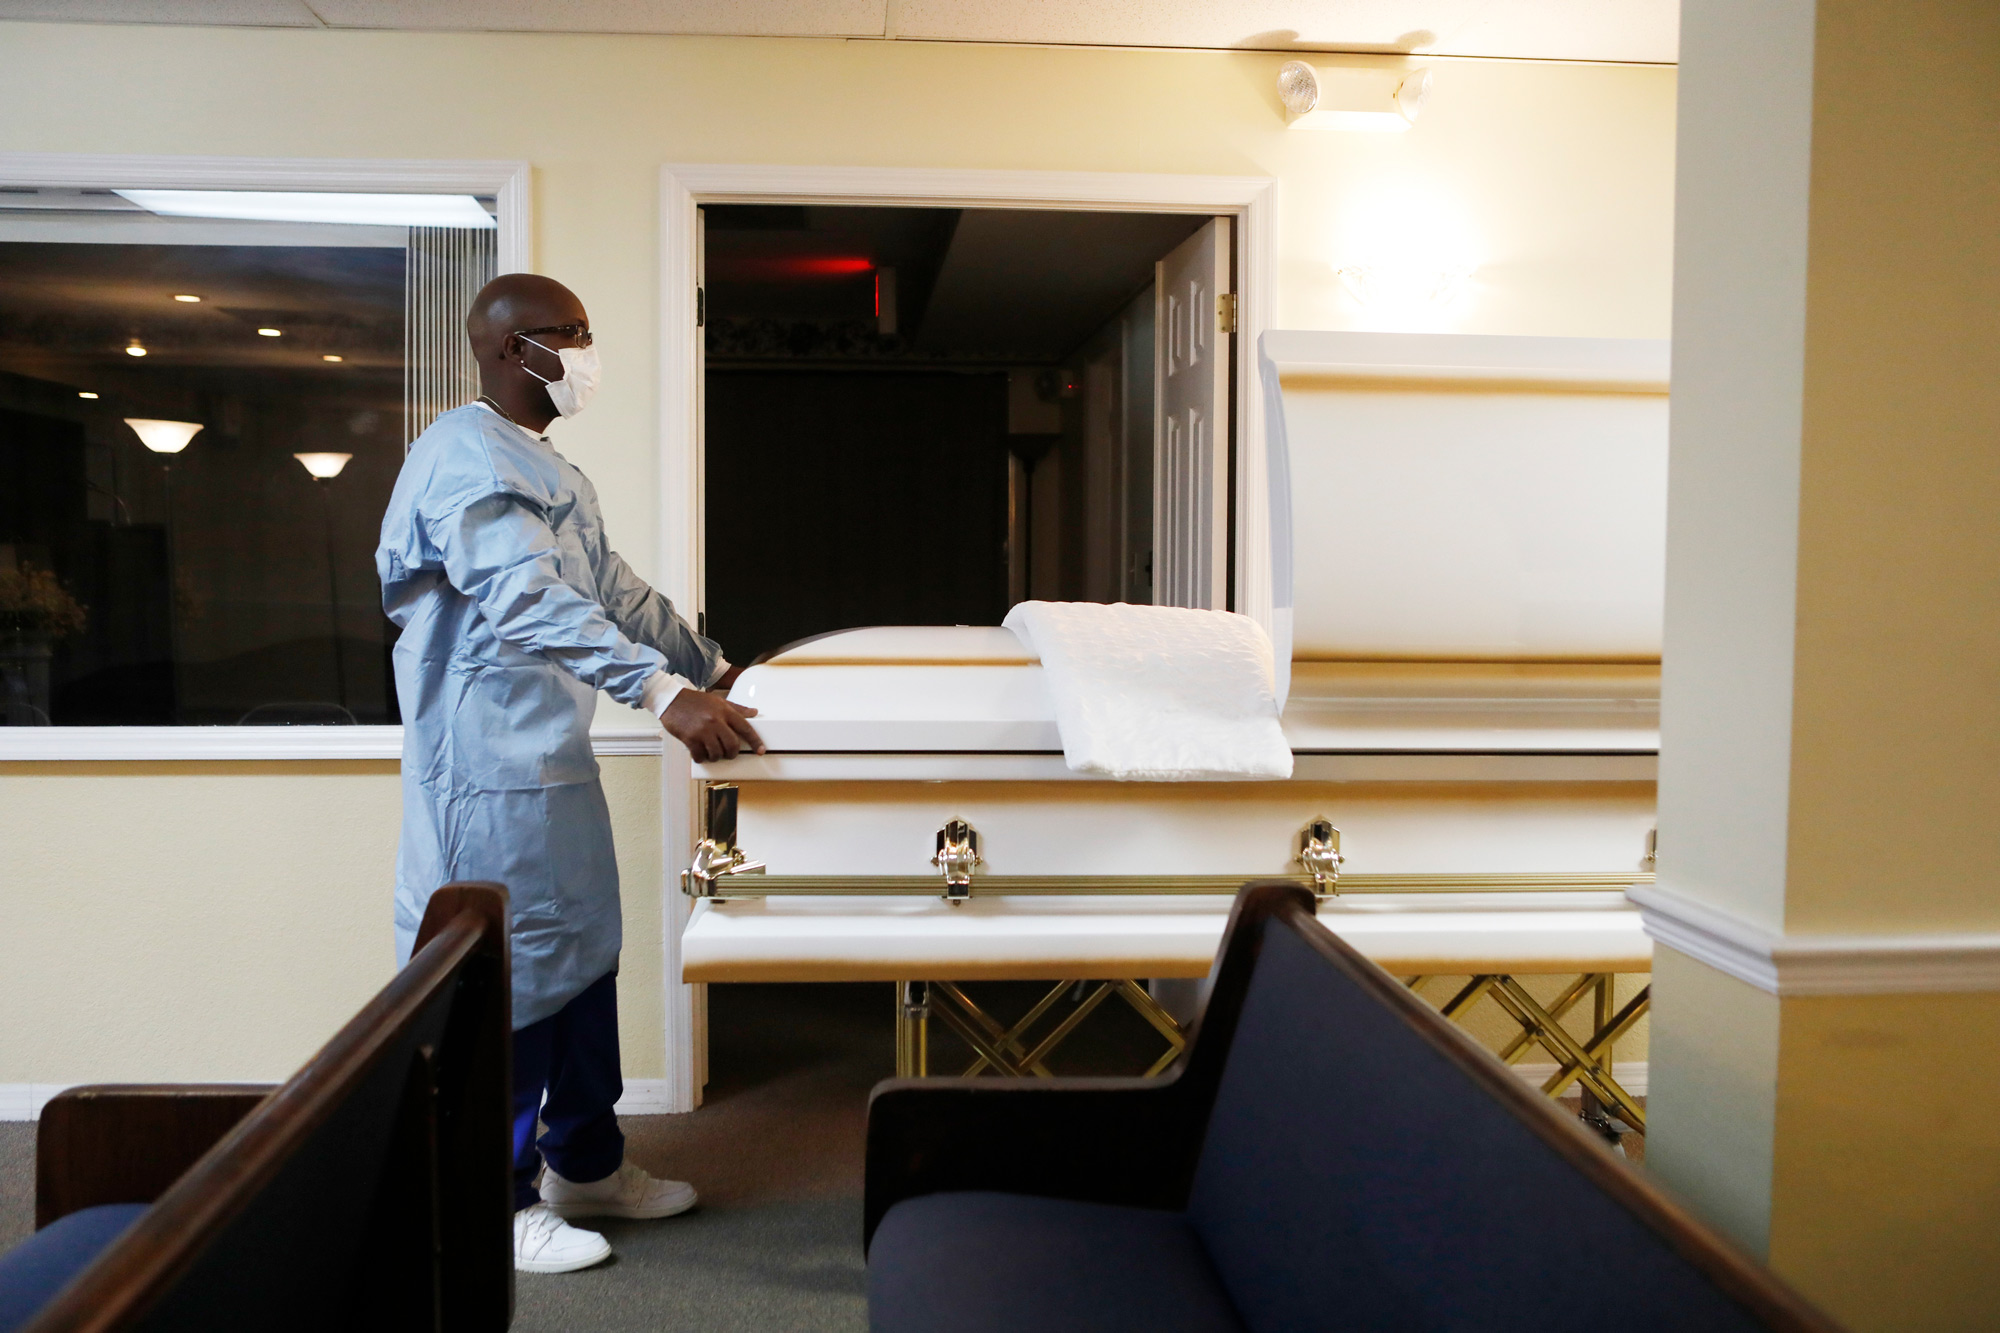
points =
(570, 394)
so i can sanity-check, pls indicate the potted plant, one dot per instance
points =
(35, 611)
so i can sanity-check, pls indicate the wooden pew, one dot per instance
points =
(372, 1190)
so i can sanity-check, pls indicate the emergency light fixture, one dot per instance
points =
(371, 210)
(324, 467)
(163, 437)
(1369, 100)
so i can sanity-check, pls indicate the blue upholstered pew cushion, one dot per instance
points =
(1009, 1263)
(1354, 1177)
(43, 1264)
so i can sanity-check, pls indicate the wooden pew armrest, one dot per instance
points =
(125, 1143)
(1127, 1141)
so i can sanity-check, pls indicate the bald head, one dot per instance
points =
(516, 301)
(514, 372)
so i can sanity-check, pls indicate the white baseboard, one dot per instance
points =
(647, 1096)
(24, 1101)
(1631, 1075)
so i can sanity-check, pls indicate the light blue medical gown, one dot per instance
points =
(514, 614)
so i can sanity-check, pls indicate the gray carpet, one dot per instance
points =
(17, 1182)
(776, 1151)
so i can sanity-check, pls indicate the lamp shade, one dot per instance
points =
(324, 467)
(163, 437)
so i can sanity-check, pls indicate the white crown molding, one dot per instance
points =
(1788, 965)
(40, 745)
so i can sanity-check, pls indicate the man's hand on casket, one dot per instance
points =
(710, 726)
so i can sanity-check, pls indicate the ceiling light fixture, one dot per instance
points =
(134, 349)
(1339, 98)
(271, 333)
(163, 437)
(374, 210)
(331, 357)
(85, 393)
(191, 300)
(324, 467)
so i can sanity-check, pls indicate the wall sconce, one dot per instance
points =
(1406, 253)
(1369, 100)
(1408, 285)
(163, 437)
(324, 467)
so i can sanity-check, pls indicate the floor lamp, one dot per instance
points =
(324, 468)
(168, 438)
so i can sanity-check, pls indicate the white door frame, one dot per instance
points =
(1252, 200)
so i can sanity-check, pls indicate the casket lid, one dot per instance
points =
(975, 689)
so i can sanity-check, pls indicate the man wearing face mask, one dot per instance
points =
(515, 611)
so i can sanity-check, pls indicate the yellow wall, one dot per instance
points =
(1885, 1191)
(1896, 694)
(1712, 1093)
(1558, 176)
(219, 921)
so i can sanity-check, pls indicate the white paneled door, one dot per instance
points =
(1193, 350)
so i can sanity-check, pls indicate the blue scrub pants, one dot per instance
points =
(566, 1075)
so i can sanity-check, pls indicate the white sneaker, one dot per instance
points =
(626, 1192)
(544, 1243)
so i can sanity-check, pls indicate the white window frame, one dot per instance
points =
(508, 182)
(1251, 200)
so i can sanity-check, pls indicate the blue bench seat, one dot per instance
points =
(42, 1265)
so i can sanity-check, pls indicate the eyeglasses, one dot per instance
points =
(579, 332)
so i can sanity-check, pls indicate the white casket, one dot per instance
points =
(1472, 635)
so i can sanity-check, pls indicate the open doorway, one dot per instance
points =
(922, 415)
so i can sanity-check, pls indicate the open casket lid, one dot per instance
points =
(1474, 564)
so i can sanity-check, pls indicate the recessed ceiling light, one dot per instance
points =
(134, 349)
(329, 357)
(86, 394)
(191, 300)
(272, 333)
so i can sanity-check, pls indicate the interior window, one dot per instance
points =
(204, 400)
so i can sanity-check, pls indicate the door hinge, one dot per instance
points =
(700, 307)
(1225, 312)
